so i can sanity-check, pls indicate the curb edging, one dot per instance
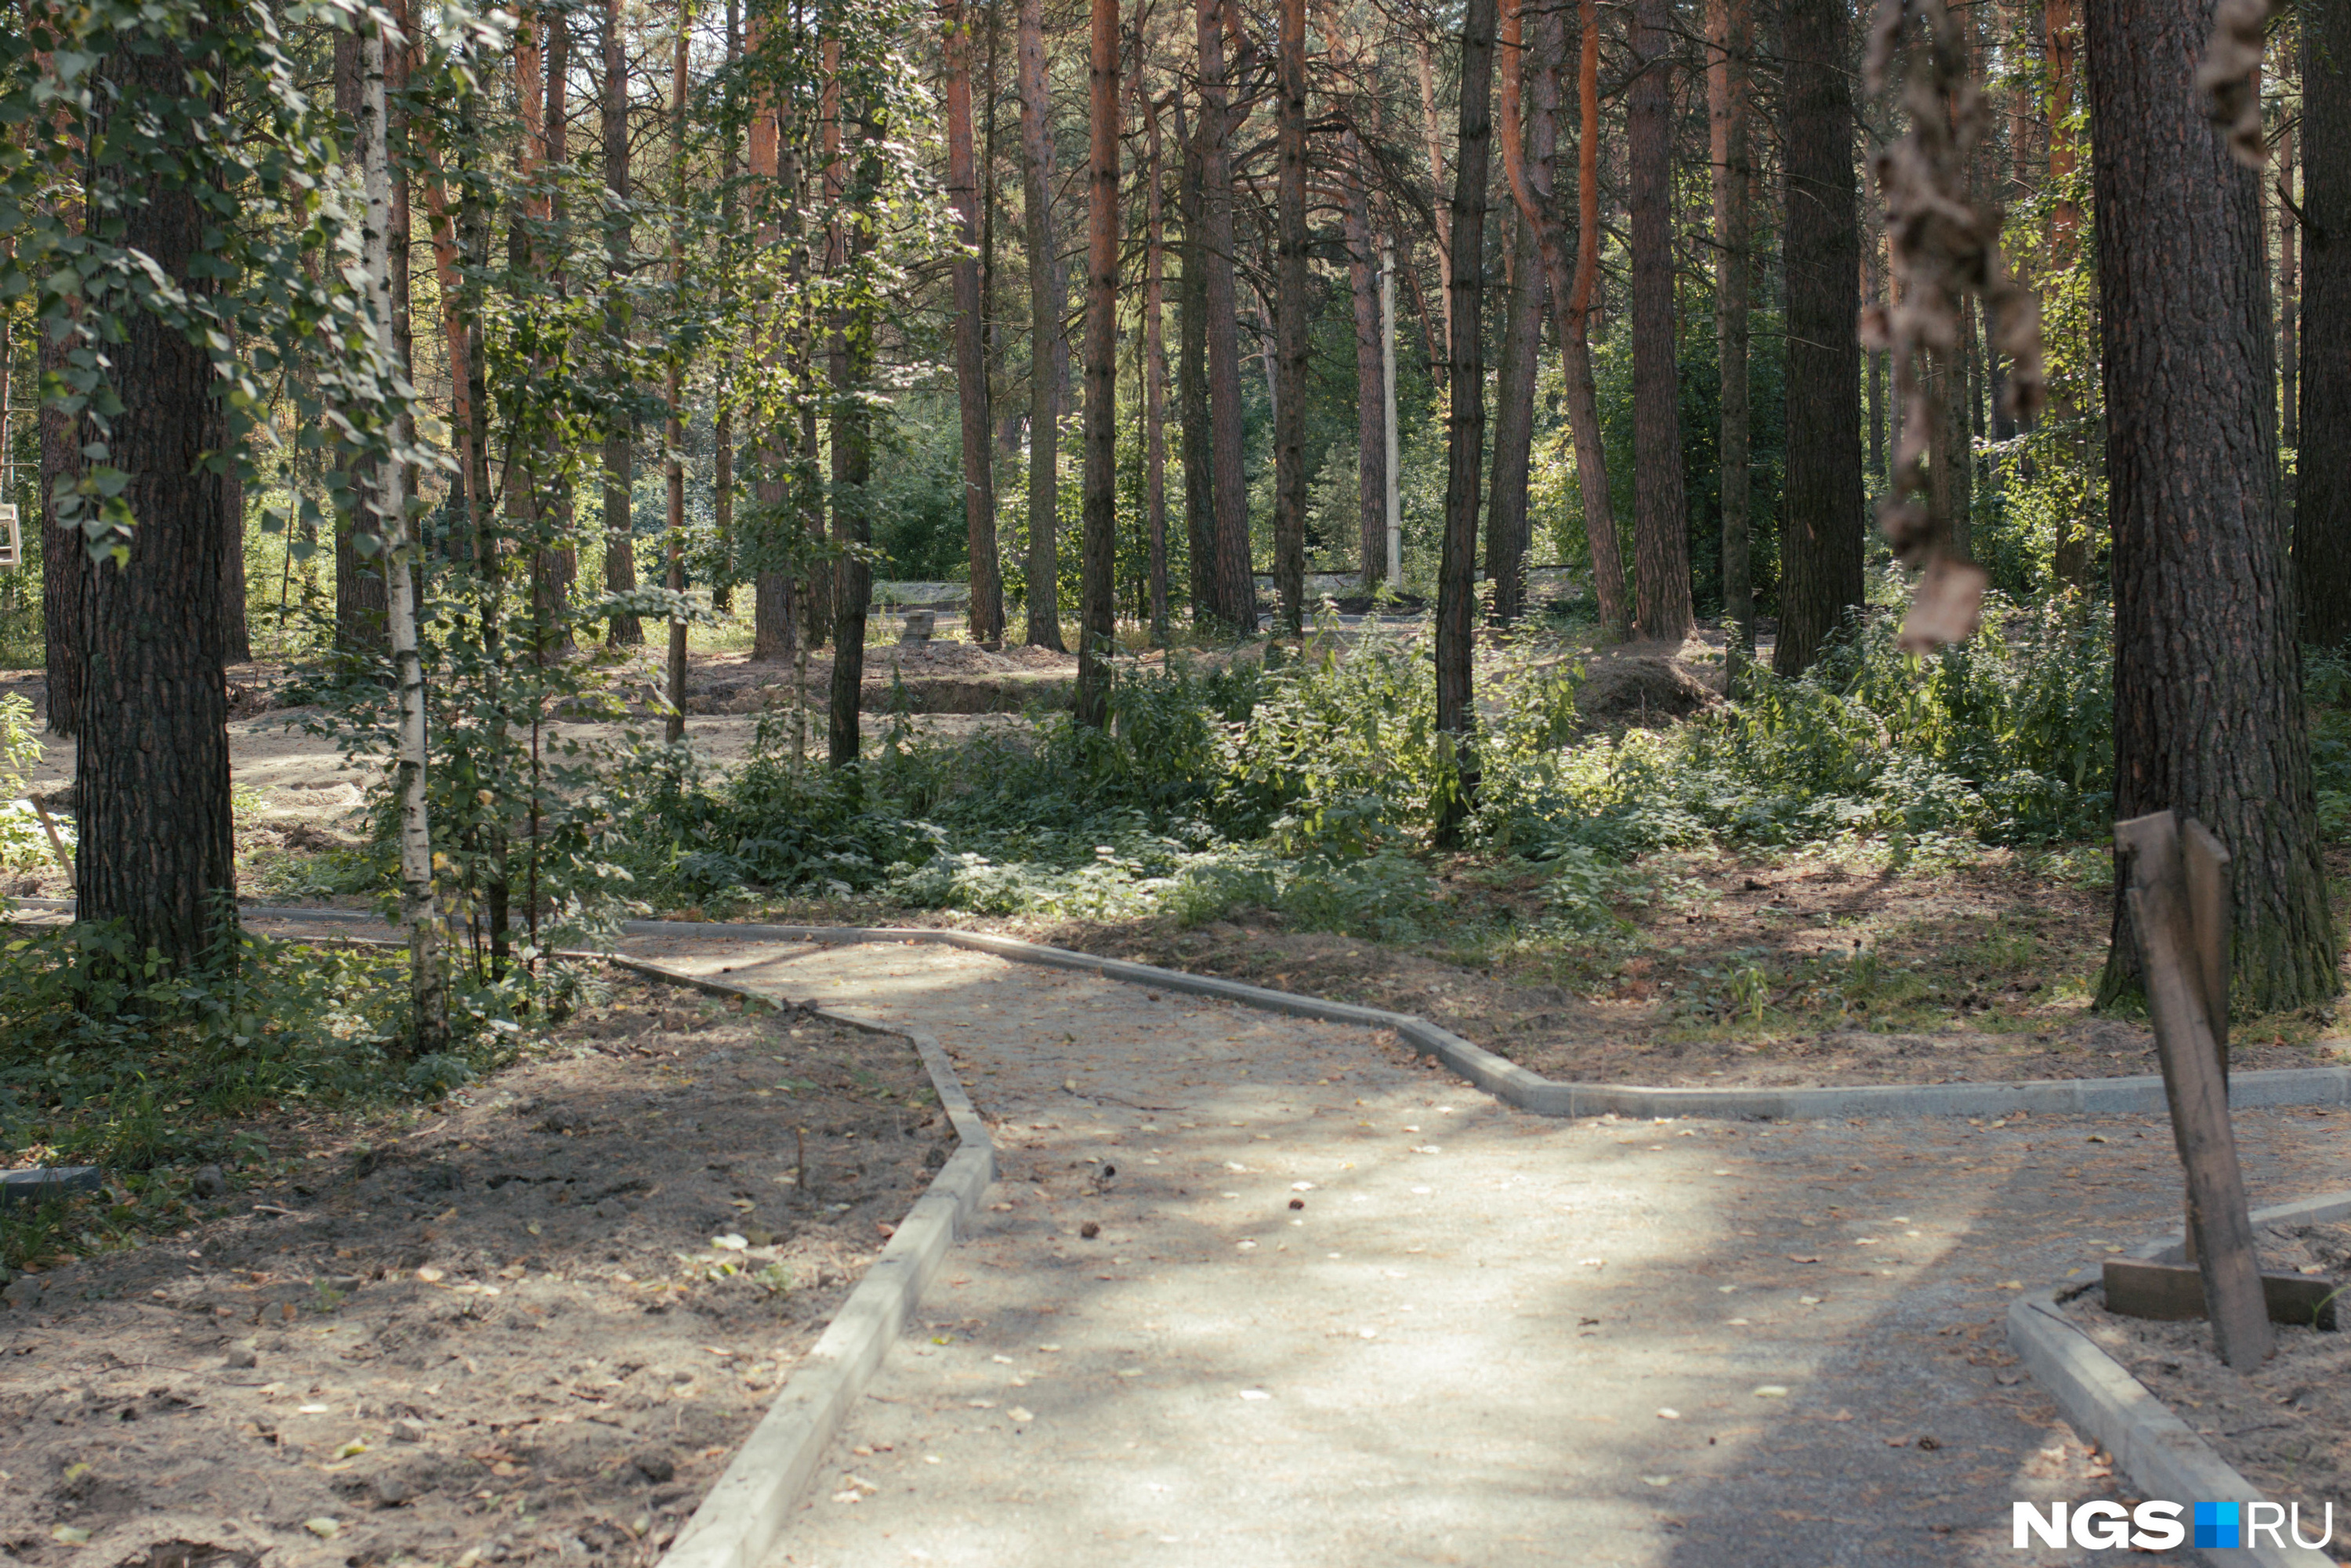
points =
(746, 1509)
(2139, 1095)
(2102, 1400)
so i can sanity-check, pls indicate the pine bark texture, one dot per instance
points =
(1457, 600)
(1370, 422)
(986, 616)
(1731, 34)
(360, 624)
(64, 558)
(1192, 420)
(852, 358)
(1821, 507)
(1097, 592)
(1289, 322)
(1514, 423)
(152, 774)
(2209, 717)
(1572, 306)
(1234, 579)
(1154, 367)
(2322, 511)
(622, 630)
(1660, 513)
(1046, 349)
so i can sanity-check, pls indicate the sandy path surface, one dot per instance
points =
(1484, 1338)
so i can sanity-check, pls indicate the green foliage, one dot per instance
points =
(2006, 738)
(111, 1056)
(21, 838)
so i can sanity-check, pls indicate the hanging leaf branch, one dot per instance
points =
(2228, 76)
(1945, 248)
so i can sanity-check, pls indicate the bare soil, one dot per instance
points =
(2286, 1427)
(535, 1324)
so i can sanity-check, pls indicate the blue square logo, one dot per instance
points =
(2216, 1525)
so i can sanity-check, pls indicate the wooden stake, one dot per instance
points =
(2220, 1225)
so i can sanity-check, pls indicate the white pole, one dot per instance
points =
(1387, 397)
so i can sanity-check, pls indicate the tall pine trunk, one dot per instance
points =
(624, 628)
(1572, 306)
(1730, 36)
(1235, 581)
(1046, 350)
(1660, 515)
(2322, 512)
(1097, 595)
(1457, 601)
(1154, 364)
(1290, 321)
(1821, 506)
(64, 561)
(852, 357)
(986, 616)
(1529, 135)
(1371, 422)
(673, 431)
(152, 771)
(1192, 419)
(2209, 717)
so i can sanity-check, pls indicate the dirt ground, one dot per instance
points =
(1983, 973)
(2286, 1427)
(533, 1322)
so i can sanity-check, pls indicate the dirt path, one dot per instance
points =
(1481, 1337)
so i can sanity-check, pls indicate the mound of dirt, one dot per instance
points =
(1641, 689)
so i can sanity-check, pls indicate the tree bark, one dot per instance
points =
(1290, 321)
(2289, 294)
(1821, 508)
(853, 434)
(2322, 511)
(674, 433)
(1660, 515)
(622, 630)
(1731, 38)
(1573, 307)
(64, 560)
(2209, 718)
(984, 617)
(1235, 581)
(1433, 139)
(420, 910)
(152, 773)
(2061, 43)
(1514, 420)
(722, 417)
(1154, 362)
(360, 624)
(236, 630)
(1371, 422)
(1457, 601)
(1046, 305)
(1514, 387)
(775, 630)
(1097, 594)
(1192, 419)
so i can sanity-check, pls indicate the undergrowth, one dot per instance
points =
(113, 1058)
(1304, 786)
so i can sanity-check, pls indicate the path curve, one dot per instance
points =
(1460, 1348)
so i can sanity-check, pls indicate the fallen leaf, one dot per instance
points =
(1657, 1481)
(431, 1276)
(1770, 1391)
(1669, 1415)
(1017, 1413)
(1800, 1258)
(1255, 1394)
(351, 1449)
(730, 1242)
(71, 1534)
(325, 1528)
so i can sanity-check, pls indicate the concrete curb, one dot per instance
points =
(2141, 1096)
(745, 1511)
(2105, 1404)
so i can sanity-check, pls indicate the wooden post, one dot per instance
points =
(2165, 906)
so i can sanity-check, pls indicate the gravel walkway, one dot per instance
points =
(1338, 1310)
